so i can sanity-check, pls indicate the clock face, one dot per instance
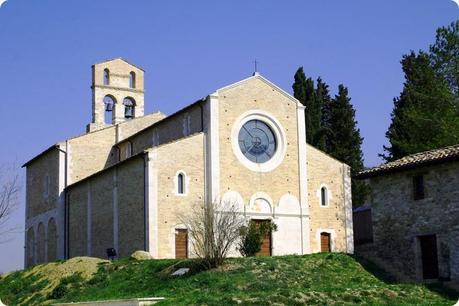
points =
(257, 141)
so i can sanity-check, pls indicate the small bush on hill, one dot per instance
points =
(252, 237)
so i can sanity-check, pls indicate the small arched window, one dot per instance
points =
(109, 102)
(323, 196)
(181, 183)
(129, 108)
(106, 77)
(132, 79)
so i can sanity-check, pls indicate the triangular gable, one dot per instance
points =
(266, 81)
(121, 59)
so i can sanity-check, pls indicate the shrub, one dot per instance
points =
(213, 229)
(252, 237)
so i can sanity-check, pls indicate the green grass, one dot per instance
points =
(318, 279)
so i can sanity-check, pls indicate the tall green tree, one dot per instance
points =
(425, 115)
(321, 138)
(345, 141)
(444, 54)
(303, 90)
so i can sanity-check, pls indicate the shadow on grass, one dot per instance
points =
(444, 291)
(376, 270)
(386, 277)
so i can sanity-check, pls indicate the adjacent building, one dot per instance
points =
(415, 213)
(123, 183)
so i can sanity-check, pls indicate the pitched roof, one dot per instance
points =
(414, 160)
(118, 58)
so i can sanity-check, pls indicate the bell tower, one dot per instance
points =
(117, 93)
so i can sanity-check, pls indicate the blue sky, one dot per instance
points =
(191, 48)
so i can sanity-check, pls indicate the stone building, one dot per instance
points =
(123, 183)
(415, 213)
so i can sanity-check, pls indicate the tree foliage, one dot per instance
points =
(331, 125)
(252, 237)
(444, 55)
(426, 114)
(344, 141)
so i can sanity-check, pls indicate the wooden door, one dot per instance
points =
(325, 245)
(181, 243)
(429, 256)
(266, 244)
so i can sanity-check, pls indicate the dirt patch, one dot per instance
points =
(56, 271)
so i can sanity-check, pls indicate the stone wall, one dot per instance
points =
(188, 158)
(77, 214)
(257, 95)
(325, 171)
(168, 130)
(92, 152)
(118, 88)
(398, 219)
(44, 169)
(107, 210)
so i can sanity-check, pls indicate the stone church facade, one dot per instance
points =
(124, 182)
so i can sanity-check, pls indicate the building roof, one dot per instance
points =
(167, 118)
(118, 58)
(54, 146)
(414, 160)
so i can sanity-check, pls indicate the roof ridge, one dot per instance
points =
(425, 157)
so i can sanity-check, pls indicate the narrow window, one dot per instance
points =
(132, 79)
(418, 187)
(129, 107)
(109, 102)
(186, 125)
(106, 77)
(323, 196)
(128, 149)
(46, 186)
(180, 184)
(155, 137)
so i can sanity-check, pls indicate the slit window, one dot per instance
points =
(132, 79)
(106, 77)
(323, 196)
(46, 186)
(180, 183)
(418, 187)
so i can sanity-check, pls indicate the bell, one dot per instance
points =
(128, 112)
(108, 107)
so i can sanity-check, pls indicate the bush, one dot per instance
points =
(213, 229)
(252, 237)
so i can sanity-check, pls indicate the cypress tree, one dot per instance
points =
(444, 55)
(345, 141)
(303, 90)
(424, 115)
(323, 102)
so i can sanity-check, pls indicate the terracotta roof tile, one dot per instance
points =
(414, 160)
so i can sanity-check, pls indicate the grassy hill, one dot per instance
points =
(318, 279)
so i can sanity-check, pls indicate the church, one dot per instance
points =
(122, 184)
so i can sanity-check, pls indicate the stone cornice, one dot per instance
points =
(118, 88)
